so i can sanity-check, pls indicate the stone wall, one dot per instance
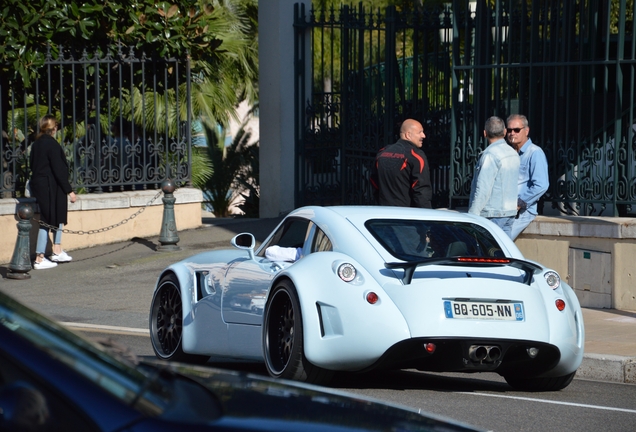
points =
(99, 211)
(595, 255)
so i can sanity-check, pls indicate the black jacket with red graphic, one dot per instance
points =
(401, 176)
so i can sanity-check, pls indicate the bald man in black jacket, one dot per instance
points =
(401, 175)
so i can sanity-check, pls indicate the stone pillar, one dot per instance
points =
(276, 104)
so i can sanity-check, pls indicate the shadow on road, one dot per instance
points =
(144, 242)
(415, 380)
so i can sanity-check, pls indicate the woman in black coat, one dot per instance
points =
(50, 187)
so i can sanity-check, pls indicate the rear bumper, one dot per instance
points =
(464, 355)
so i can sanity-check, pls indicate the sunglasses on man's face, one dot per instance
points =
(515, 130)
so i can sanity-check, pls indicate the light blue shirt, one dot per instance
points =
(533, 176)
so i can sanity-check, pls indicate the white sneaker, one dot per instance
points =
(44, 264)
(61, 257)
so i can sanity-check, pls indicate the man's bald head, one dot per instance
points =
(412, 130)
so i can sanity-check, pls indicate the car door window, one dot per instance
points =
(321, 242)
(291, 234)
(38, 406)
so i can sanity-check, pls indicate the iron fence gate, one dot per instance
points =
(568, 65)
(125, 120)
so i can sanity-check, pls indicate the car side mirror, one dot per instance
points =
(245, 241)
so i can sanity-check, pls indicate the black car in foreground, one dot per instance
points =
(51, 379)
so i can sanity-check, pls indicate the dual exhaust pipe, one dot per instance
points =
(484, 353)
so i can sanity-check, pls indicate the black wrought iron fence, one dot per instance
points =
(568, 65)
(125, 120)
(368, 72)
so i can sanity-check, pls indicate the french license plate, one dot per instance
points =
(483, 310)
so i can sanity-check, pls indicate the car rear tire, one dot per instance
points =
(540, 384)
(166, 322)
(283, 344)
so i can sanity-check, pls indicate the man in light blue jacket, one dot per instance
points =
(493, 193)
(533, 179)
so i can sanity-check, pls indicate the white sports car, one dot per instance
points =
(373, 287)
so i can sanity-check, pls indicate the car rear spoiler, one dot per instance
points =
(409, 266)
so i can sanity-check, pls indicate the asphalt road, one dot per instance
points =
(105, 293)
(482, 400)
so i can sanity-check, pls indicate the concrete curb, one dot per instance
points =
(605, 367)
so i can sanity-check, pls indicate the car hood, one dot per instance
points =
(260, 403)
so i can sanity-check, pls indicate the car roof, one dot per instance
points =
(360, 214)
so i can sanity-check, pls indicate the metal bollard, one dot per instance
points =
(168, 236)
(20, 265)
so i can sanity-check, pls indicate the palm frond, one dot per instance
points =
(201, 167)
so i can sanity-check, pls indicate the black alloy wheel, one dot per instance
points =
(166, 322)
(283, 338)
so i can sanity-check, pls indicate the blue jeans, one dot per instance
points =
(505, 223)
(43, 238)
(521, 223)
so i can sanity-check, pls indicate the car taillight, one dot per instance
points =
(560, 304)
(484, 260)
(372, 297)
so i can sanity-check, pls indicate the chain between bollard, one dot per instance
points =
(108, 228)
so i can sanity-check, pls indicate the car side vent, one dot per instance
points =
(199, 280)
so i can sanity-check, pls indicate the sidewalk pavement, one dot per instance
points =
(610, 334)
(610, 346)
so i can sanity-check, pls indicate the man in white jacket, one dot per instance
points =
(493, 193)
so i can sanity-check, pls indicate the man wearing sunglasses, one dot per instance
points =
(533, 172)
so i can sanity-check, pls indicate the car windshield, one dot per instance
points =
(139, 385)
(414, 240)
